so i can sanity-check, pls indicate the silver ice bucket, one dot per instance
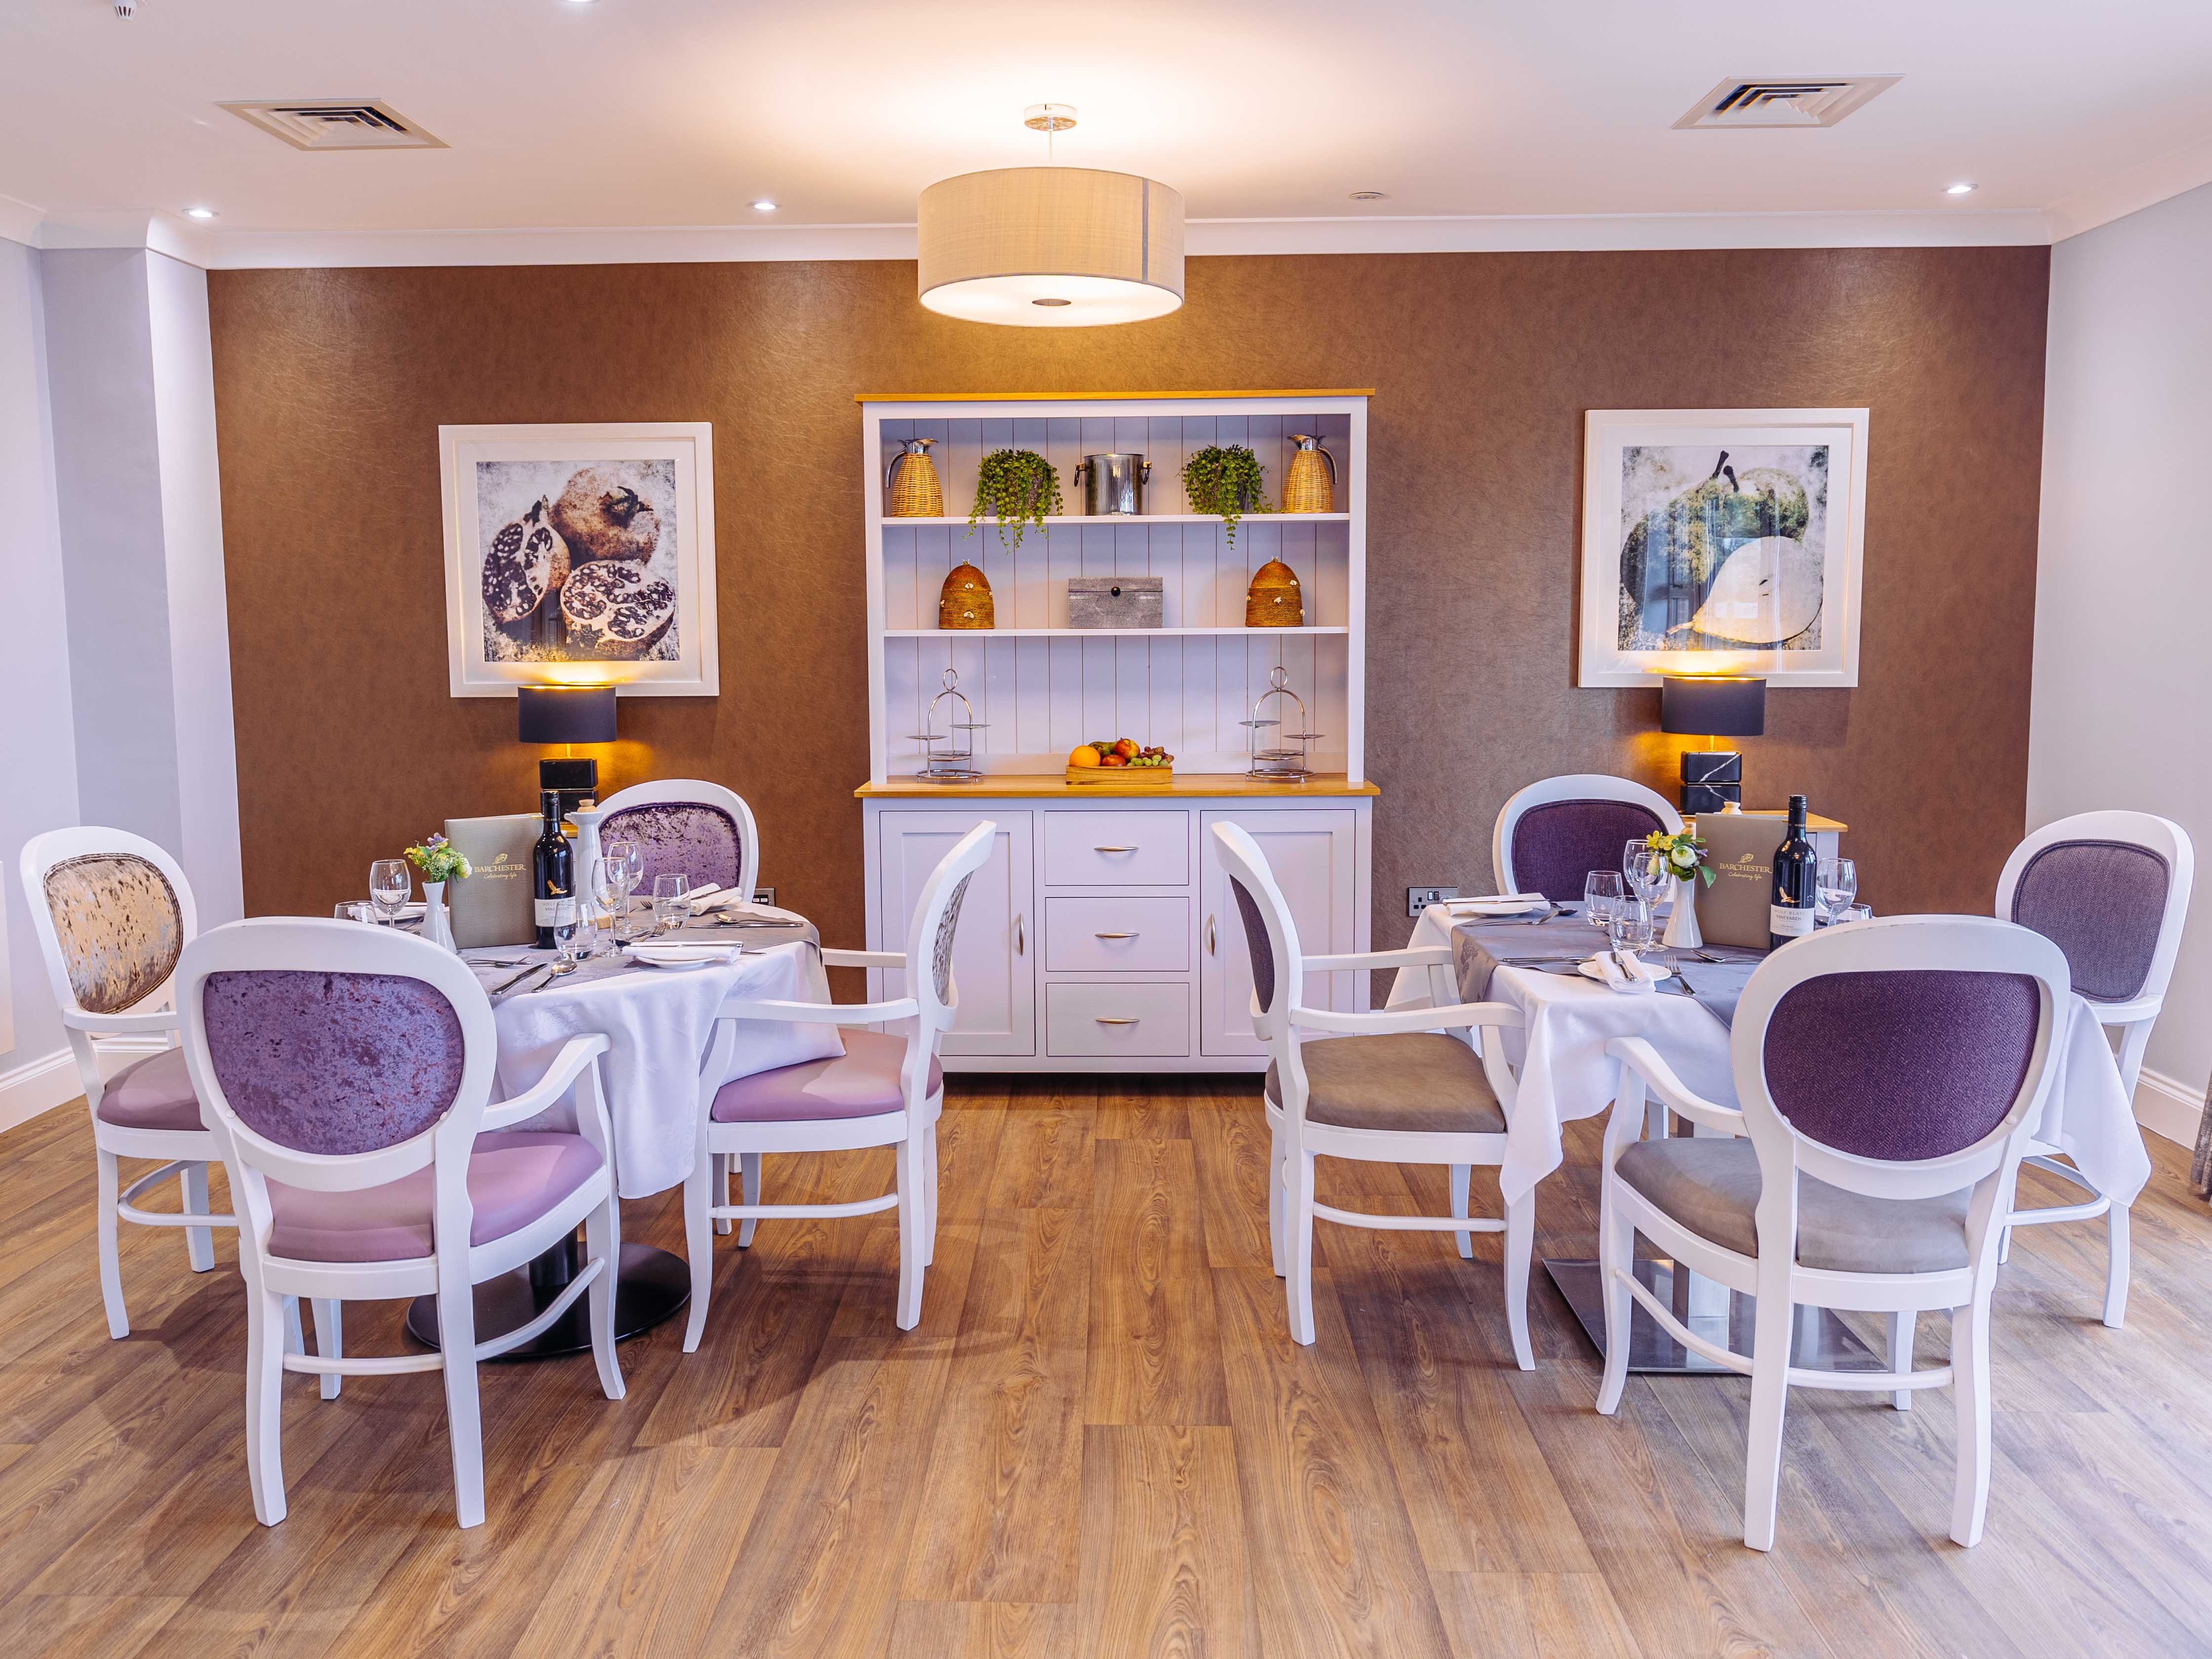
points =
(1114, 483)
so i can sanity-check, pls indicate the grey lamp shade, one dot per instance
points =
(1051, 248)
(565, 714)
(1701, 705)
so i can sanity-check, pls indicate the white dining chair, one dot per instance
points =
(686, 827)
(112, 912)
(346, 1072)
(2111, 890)
(885, 1090)
(1387, 1088)
(1886, 1074)
(1550, 836)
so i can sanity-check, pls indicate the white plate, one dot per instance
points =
(1503, 905)
(661, 956)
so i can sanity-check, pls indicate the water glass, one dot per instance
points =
(564, 929)
(1839, 887)
(671, 902)
(1605, 896)
(389, 885)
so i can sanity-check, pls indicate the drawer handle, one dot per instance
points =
(1209, 936)
(1111, 1020)
(1112, 849)
(1113, 935)
(1020, 944)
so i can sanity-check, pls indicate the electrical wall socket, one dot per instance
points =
(764, 896)
(1418, 899)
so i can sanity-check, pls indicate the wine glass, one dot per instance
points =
(671, 902)
(627, 858)
(1604, 893)
(389, 885)
(1647, 876)
(1839, 887)
(609, 889)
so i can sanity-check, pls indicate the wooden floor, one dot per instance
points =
(1101, 1441)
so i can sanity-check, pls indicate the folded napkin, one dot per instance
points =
(704, 899)
(1499, 904)
(1625, 972)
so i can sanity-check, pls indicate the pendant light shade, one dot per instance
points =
(1051, 248)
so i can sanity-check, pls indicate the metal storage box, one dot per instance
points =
(1115, 602)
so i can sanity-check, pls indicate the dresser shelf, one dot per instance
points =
(1064, 520)
(1093, 633)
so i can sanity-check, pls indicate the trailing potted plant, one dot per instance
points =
(1228, 483)
(1017, 487)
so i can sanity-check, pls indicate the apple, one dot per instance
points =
(1126, 748)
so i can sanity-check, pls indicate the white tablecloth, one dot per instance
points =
(658, 1022)
(1566, 1073)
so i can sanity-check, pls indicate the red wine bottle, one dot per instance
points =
(1796, 871)
(552, 871)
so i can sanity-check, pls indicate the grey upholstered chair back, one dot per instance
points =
(333, 1063)
(2102, 902)
(1904, 1064)
(940, 950)
(119, 926)
(1557, 844)
(1258, 942)
(695, 839)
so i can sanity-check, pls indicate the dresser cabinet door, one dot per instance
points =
(1311, 851)
(995, 946)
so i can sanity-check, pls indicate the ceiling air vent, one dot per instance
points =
(1813, 100)
(336, 124)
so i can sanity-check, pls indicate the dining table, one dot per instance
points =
(658, 1021)
(1564, 1073)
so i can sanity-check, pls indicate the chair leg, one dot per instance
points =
(2004, 1246)
(1461, 1177)
(296, 1339)
(699, 1189)
(266, 1317)
(1297, 1245)
(911, 1220)
(1770, 1395)
(330, 1339)
(603, 1242)
(1276, 1194)
(1901, 1333)
(111, 1268)
(721, 1178)
(199, 1241)
(1970, 1383)
(929, 1195)
(1520, 1246)
(2116, 1264)
(456, 1350)
(749, 1184)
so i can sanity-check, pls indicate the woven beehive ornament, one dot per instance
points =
(964, 601)
(1274, 598)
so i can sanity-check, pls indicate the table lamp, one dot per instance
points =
(568, 716)
(1710, 706)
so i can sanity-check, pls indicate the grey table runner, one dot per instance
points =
(703, 929)
(1479, 949)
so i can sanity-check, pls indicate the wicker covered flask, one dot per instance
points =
(912, 480)
(1310, 484)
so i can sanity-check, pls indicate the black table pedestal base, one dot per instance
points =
(654, 1285)
(1820, 1342)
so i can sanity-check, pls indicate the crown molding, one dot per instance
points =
(18, 221)
(2145, 184)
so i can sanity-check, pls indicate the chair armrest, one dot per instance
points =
(863, 958)
(1493, 1015)
(1637, 1056)
(119, 1024)
(576, 1054)
(1431, 956)
(822, 1013)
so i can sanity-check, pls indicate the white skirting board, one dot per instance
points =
(38, 1086)
(2168, 1107)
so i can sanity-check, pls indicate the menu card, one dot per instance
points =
(493, 906)
(1740, 846)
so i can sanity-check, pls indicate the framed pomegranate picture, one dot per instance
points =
(581, 554)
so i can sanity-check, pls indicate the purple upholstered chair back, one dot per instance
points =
(333, 1063)
(680, 837)
(940, 948)
(1903, 1065)
(1557, 844)
(2102, 902)
(1257, 941)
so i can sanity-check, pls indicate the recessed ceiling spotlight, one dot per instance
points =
(199, 213)
(1369, 195)
(1960, 189)
(764, 205)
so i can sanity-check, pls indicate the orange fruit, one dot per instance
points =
(1083, 755)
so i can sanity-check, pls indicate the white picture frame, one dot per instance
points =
(491, 473)
(1794, 511)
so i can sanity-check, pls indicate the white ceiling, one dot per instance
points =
(656, 114)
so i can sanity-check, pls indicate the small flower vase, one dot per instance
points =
(437, 924)
(1682, 932)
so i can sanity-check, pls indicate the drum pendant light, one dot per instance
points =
(1050, 247)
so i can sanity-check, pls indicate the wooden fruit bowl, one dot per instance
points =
(1126, 777)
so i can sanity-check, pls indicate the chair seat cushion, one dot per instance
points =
(862, 1082)
(1414, 1083)
(152, 1093)
(1710, 1185)
(513, 1178)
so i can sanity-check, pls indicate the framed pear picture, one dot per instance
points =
(580, 554)
(1722, 541)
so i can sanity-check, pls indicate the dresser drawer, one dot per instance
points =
(1116, 850)
(1116, 935)
(1082, 1020)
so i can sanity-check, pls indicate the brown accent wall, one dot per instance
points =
(330, 385)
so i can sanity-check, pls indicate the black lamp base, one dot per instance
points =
(1712, 780)
(578, 780)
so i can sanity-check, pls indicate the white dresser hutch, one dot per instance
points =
(1100, 936)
